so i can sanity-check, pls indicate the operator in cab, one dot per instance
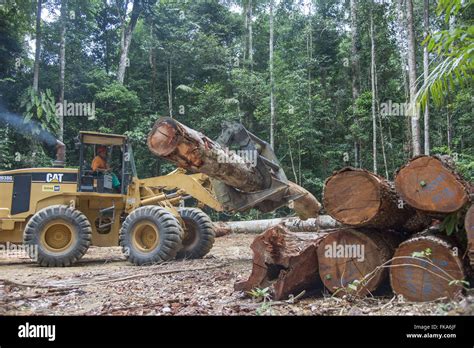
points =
(99, 164)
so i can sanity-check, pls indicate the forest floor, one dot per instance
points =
(104, 283)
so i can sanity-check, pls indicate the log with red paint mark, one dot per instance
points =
(431, 185)
(359, 198)
(349, 260)
(427, 267)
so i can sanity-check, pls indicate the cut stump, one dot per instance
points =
(284, 261)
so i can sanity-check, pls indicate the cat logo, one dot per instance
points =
(56, 177)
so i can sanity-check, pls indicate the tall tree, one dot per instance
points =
(38, 46)
(62, 63)
(250, 32)
(414, 112)
(126, 37)
(272, 82)
(426, 73)
(372, 78)
(355, 69)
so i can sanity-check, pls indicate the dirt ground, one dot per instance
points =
(103, 283)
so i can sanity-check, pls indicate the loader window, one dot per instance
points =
(106, 180)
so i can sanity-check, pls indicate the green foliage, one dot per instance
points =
(40, 107)
(455, 46)
(423, 254)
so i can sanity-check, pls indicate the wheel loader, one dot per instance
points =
(59, 212)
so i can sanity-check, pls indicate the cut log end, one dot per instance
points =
(352, 196)
(429, 185)
(433, 274)
(347, 256)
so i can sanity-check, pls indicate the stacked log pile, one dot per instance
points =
(391, 233)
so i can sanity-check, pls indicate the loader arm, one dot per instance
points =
(195, 185)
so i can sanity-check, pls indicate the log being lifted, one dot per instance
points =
(322, 222)
(359, 198)
(347, 256)
(429, 275)
(431, 185)
(284, 261)
(195, 152)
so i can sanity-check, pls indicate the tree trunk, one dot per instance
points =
(430, 185)
(309, 51)
(414, 112)
(250, 33)
(62, 65)
(426, 73)
(272, 83)
(194, 151)
(169, 85)
(359, 198)
(355, 72)
(469, 227)
(354, 50)
(152, 61)
(284, 261)
(38, 47)
(348, 259)
(372, 74)
(126, 39)
(427, 276)
(322, 222)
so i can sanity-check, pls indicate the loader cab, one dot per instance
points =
(119, 157)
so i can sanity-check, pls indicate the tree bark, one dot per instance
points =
(414, 112)
(322, 222)
(469, 227)
(272, 83)
(351, 257)
(126, 39)
(359, 198)
(426, 73)
(431, 185)
(285, 261)
(426, 277)
(38, 46)
(62, 64)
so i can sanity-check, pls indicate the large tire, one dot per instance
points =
(150, 235)
(199, 233)
(58, 235)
